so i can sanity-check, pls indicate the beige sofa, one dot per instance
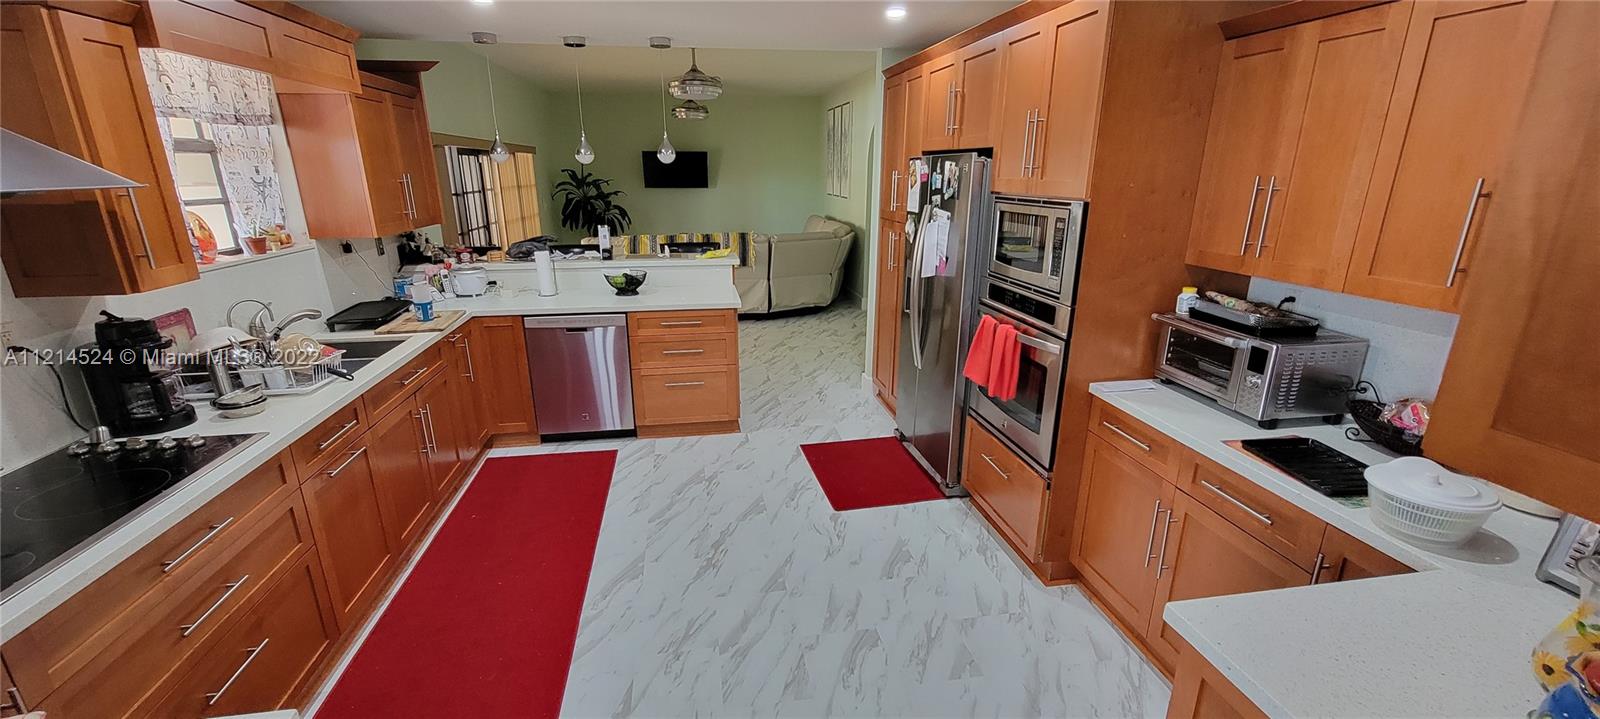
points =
(803, 269)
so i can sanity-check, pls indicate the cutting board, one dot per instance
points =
(407, 323)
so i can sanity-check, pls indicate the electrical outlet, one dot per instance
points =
(6, 338)
(380, 246)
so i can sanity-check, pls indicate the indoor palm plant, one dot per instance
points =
(586, 204)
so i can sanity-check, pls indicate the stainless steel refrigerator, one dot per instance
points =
(949, 219)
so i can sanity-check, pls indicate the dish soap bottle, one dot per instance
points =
(1187, 299)
(1567, 662)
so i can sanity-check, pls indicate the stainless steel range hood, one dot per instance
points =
(28, 166)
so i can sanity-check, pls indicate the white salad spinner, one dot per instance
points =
(1422, 501)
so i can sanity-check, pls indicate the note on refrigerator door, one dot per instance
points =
(914, 188)
(936, 243)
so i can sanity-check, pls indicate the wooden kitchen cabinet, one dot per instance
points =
(12, 701)
(958, 110)
(943, 79)
(698, 394)
(364, 161)
(75, 83)
(1199, 691)
(293, 45)
(1025, 54)
(439, 405)
(916, 101)
(886, 312)
(1518, 404)
(499, 355)
(401, 459)
(1120, 502)
(1005, 489)
(473, 393)
(1201, 555)
(892, 170)
(1463, 74)
(1344, 558)
(346, 501)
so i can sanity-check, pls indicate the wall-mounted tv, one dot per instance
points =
(688, 170)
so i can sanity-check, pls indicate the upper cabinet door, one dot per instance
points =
(1243, 149)
(76, 83)
(380, 159)
(1064, 130)
(416, 160)
(891, 192)
(975, 109)
(1519, 405)
(1344, 91)
(916, 115)
(1025, 52)
(939, 105)
(1462, 74)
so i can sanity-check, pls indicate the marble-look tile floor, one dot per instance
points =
(724, 584)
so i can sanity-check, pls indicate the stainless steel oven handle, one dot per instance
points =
(1249, 215)
(1197, 330)
(1040, 344)
(1466, 229)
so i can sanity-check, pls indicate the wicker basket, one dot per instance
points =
(1367, 415)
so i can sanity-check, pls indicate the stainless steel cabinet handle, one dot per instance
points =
(955, 109)
(232, 587)
(1250, 215)
(324, 444)
(949, 98)
(414, 375)
(894, 190)
(684, 384)
(405, 202)
(1027, 144)
(144, 236)
(453, 339)
(466, 352)
(255, 651)
(428, 432)
(1466, 229)
(894, 238)
(172, 564)
(1166, 533)
(996, 467)
(1033, 149)
(1266, 214)
(683, 323)
(1125, 435)
(683, 352)
(15, 704)
(422, 425)
(1316, 571)
(1235, 500)
(1150, 542)
(336, 470)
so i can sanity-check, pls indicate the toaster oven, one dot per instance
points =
(1266, 380)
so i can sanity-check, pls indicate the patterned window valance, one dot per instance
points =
(198, 89)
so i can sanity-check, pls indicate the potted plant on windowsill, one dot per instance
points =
(586, 204)
(258, 242)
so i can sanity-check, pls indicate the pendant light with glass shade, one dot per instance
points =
(666, 153)
(695, 85)
(585, 154)
(497, 151)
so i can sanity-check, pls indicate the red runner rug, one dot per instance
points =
(862, 473)
(485, 624)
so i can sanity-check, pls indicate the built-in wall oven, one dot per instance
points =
(1037, 244)
(1027, 421)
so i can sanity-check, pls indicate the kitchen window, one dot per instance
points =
(199, 176)
(495, 204)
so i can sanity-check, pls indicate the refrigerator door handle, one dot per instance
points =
(916, 288)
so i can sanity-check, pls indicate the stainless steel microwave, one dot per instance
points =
(1037, 242)
(1265, 380)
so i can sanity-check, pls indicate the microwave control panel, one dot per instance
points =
(1058, 247)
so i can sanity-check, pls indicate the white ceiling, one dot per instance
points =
(796, 72)
(749, 24)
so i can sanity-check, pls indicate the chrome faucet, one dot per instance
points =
(293, 318)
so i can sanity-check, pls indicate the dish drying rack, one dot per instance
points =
(279, 379)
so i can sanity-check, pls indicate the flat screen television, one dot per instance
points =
(688, 170)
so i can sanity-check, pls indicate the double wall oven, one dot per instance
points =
(1031, 284)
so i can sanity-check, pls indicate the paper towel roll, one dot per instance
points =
(546, 268)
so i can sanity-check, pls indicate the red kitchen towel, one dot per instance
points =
(1005, 364)
(978, 356)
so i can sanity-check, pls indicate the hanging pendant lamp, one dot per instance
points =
(585, 154)
(666, 153)
(690, 110)
(497, 151)
(694, 84)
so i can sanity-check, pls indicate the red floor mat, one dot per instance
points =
(862, 473)
(485, 624)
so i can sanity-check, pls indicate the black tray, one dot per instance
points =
(1319, 466)
(1291, 324)
(368, 315)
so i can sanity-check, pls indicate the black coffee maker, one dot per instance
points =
(133, 384)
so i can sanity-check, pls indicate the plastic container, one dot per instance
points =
(1187, 299)
(1419, 500)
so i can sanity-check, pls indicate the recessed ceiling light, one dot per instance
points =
(482, 2)
(895, 12)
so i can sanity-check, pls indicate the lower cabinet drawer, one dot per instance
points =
(1005, 487)
(265, 660)
(677, 396)
(391, 390)
(650, 352)
(172, 635)
(1275, 521)
(680, 322)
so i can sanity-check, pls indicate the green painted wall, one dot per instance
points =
(865, 98)
(457, 94)
(763, 166)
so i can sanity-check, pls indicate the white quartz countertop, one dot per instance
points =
(287, 418)
(1452, 640)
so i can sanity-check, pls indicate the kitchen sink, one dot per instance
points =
(360, 353)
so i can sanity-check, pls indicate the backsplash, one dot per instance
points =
(1409, 344)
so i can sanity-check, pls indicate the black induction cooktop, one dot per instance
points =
(55, 506)
(1315, 464)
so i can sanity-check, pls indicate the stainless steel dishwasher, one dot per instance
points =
(579, 368)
